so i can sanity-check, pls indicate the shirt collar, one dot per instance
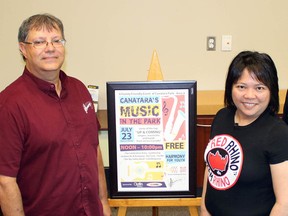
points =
(47, 87)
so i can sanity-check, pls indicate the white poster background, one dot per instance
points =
(152, 140)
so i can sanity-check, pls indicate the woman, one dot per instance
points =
(285, 110)
(247, 155)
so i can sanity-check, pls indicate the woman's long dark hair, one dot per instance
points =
(259, 65)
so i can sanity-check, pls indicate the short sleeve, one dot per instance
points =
(278, 145)
(10, 143)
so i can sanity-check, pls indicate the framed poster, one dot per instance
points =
(152, 139)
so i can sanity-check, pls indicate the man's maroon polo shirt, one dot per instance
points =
(49, 144)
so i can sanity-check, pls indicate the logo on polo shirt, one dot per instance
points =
(224, 158)
(87, 105)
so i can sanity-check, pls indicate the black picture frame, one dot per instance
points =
(141, 98)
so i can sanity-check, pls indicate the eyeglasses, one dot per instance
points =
(44, 44)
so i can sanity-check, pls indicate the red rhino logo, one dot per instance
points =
(217, 162)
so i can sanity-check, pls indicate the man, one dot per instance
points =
(285, 110)
(50, 160)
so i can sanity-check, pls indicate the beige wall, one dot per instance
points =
(113, 40)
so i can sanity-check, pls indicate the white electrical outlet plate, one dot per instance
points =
(226, 42)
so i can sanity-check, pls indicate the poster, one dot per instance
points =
(152, 135)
